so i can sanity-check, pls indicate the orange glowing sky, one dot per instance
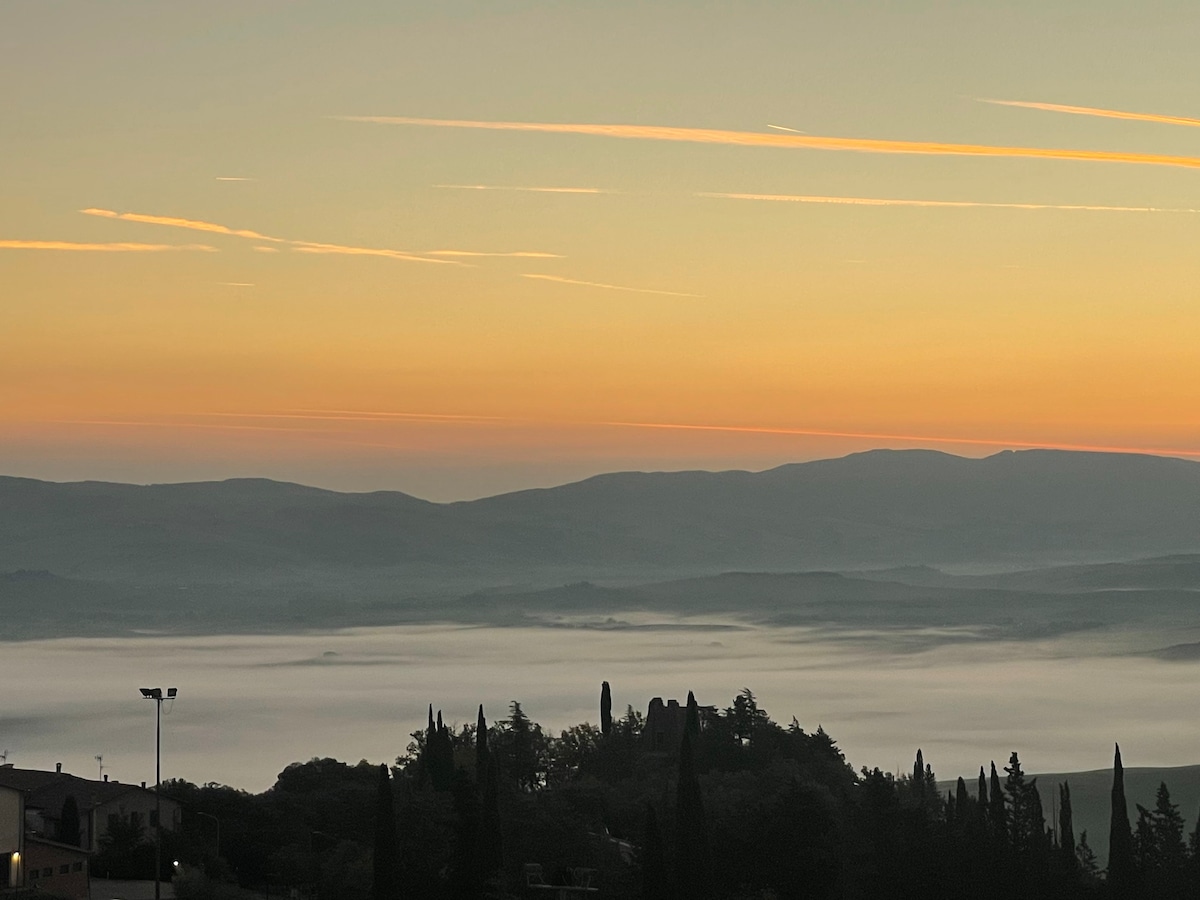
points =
(455, 249)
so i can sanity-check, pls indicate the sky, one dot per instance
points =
(457, 248)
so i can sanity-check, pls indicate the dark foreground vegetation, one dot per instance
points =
(706, 804)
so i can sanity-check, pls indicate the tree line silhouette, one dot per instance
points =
(739, 807)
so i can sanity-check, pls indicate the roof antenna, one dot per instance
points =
(4, 757)
(99, 757)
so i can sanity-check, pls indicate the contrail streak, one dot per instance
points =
(793, 141)
(190, 224)
(147, 423)
(341, 250)
(101, 248)
(303, 246)
(349, 415)
(608, 287)
(785, 128)
(1094, 111)
(521, 254)
(408, 415)
(918, 438)
(954, 204)
(380, 416)
(536, 190)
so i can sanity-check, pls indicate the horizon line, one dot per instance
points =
(821, 459)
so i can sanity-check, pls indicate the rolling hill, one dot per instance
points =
(881, 508)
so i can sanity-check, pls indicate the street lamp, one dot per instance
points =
(218, 824)
(156, 694)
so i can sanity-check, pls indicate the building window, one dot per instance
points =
(77, 867)
(64, 869)
(154, 818)
(47, 872)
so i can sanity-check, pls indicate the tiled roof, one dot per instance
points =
(48, 790)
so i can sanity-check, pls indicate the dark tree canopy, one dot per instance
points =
(386, 866)
(744, 808)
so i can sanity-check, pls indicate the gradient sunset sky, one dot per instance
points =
(455, 248)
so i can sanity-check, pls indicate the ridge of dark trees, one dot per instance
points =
(742, 807)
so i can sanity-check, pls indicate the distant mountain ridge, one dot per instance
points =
(873, 509)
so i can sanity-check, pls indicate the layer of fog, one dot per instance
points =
(250, 705)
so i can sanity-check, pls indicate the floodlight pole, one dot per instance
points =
(218, 824)
(156, 694)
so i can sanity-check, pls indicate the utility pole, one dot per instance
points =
(217, 822)
(156, 694)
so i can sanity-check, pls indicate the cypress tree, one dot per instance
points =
(1120, 838)
(655, 883)
(438, 753)
(491, 842)
(386, 885)
(1020, 825)
(69, 831)
(482, 753)
(692, 722)
(997, 813)
(492, 852)
(524, 759)
(982, 798)
(1038, 836)
(962, 802)
(918, 778)
(466, 870)
(691, 833)
(1066, 828)
(429, 751)
(606, 721)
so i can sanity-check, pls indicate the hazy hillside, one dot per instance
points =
(880, 508)
(1173, 572)
(907, 617)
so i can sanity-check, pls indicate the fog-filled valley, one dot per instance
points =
(1042, 600)
(1039, 601)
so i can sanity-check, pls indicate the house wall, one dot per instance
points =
(12, 831)
(56, 869)
(125, 807)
